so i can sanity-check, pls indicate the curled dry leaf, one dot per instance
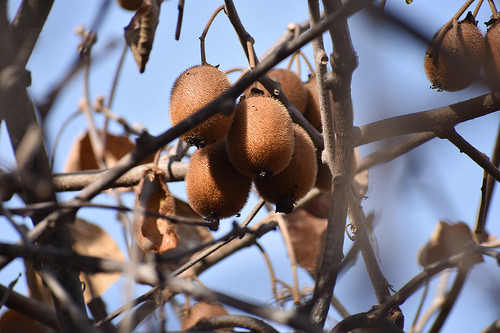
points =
(307, 234)
(201, 310)
(91, 240)
(140, 33)
(81, 156)
(447, 240)
(154, 234)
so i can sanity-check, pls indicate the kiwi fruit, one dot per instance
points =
(285, 188)
(214, 188)
(492, 62)
(132, 5)
(193, 89)
(260, 142)
(453, 69)
(291, 85)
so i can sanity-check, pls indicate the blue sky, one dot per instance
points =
(408, 195)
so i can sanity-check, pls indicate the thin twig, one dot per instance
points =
(379, 282)
(451, 297)
(269, 268)
(385, 155)
(204, 34)
(291, 255)
(180, 8)
(30, 307)
(480, 158)
(9, 290)
(486, 194)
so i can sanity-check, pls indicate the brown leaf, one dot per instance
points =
(140, 32)
(91, 240)
(447, 240)
(15, 322)
(152, 194)
(199, 311)
(307, 234)
(81, 156)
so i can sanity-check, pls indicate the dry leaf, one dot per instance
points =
(152, 194)
(140, 33)
(199, 311)
(319, 206)
(91, 240)
(15, 322)
(447, 240)
(81, 156)
(307, 234)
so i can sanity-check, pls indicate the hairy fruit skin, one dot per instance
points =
(291, 85)
(195, 88)
(296, 180)
(214, 188)
(132, 5)
(492, 63)
(455, 69)
(260, 142)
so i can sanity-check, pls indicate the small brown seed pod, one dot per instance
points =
(195, 88)
(492, 63)
(291, 84)
(260, 142)
(285, 188)
(451, 63)
(132, 5)
(214, 188)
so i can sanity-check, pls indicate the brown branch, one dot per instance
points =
(343, 60)
(431, 270)
(30, 307)
(385, 155)
(436, 120)
(26, 26)
(366, 320)
(480, 158)
(229, 321)
(74, 181)
(291, 318)
(486, 194)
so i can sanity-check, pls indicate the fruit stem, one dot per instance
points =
(449, 24)
(493, 8)
(476, 10)
(205, 31)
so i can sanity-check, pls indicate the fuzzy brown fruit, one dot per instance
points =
(195, 88)
(260, 142)
(132, 5)
(296, 180)
(291, 84)
(453, 69)
(492, 63)
(214, 188)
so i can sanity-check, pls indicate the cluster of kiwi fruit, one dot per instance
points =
(457, 54)
(257, 142)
